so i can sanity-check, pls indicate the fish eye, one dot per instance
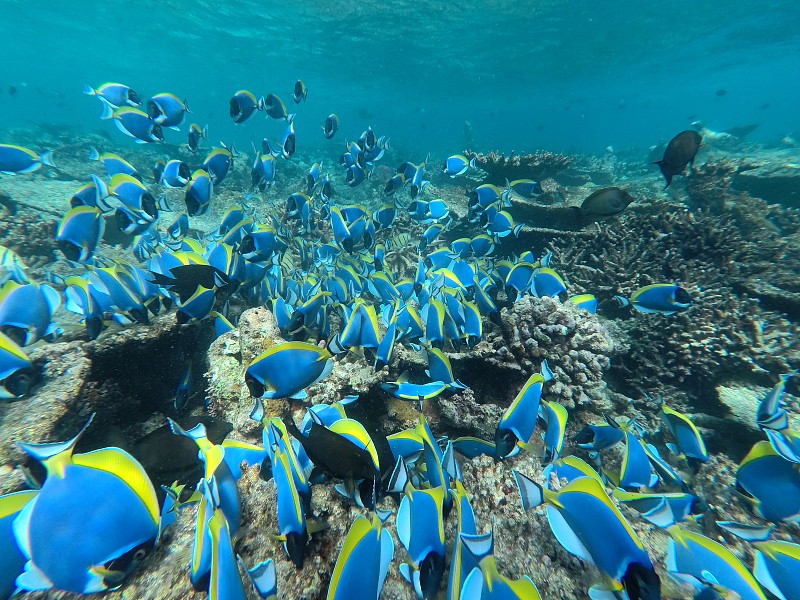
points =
(140, 554)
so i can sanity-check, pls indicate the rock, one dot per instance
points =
(775, 183)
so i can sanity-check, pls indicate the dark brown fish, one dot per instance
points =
(605, 203)
(680, 152)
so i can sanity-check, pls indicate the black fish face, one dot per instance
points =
(254, 386)
(682, 296)
(69, 250)
(94, 327)
(642, 583)
(119, 568)
(153, 110)
(504, 443)
(296, 547)
(289, 145)
(584, 436)
(183, 170)
(235, 109)
(20, 382)
(149, 205)
(134, 97)
(430, 574)
(158, 133)
(192, 205)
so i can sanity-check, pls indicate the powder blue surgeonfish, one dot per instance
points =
(95, 518)
(363, 561)
(224, 581)
(663, 298)
(285, 370)
(16, 159)
(776, 567)
(167, 110)
(484, 582)
(771, 483)
(688, 441)
(134, 123)
(26, 311)
(79, 232)
(115, 94)
(12, 560)
(518, 422)
(420, 528)
(704, 559)
(458, 164)
(587, 524)
(770, 413)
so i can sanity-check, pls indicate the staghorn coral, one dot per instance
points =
(726, 332)
(539, 165)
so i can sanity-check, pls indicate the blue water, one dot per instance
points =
(558, 75)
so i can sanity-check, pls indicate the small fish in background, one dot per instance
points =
(198, 193)
(242, 106)
(175, 174)
(113, 163)
(196, 133)
(184, 392)
(167, 110)
(300, 91)
(288, 143)
(134, 123)
(79, 232)
(114, 94)
(12, 267)
(458, 164)
(219, 161)
(605, 203)
(679, 153)
(312, 177)
(16, 159)
(275, 108)
(527, 188)
(331, 126)
(663, 298)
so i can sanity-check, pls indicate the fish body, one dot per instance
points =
(527, 188)
(14, 364)
(104, 499)
(363, 561)
(196, 133)
(218, 163)
(137, 124)
(26, 311)
(113, 163)
(176, 174)
(771, 483)
(79, 233)
(12, 561)
(776, 567)
(300, 91)
(198, 193)
(458, 164)
(605, 203)
(167, 110)
(662, 298)
(115, 94)
(331, 125)
(587, 524)
(275, 108)
(16, 159)
(420, 529)
(285, 370)
(679, 153)
(242, 106)
(519, 420)
(692, 554)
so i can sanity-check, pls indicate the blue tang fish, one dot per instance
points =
(79, 232)
(771, 484)
(484, 582)
(776, 567)
(12, 560)
(167, 110)
(264, 578)
(518, 422)
(242, 105)
(587, 524)
(16, 159)
(420, 528)
(458, 164)
(285, 370)
(198, 193)
(135, 123)
(115, 94)
(663, 298)
(225, 582)
(363, 561)
(196, 133)
(688, 440)
(26, 311)
(95, 518)
(692, 554)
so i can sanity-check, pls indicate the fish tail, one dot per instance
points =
(93, 153)
(623, 301)
(43, 452)
(46, 158)
(204, 132)
(89, 90)
(107, 112)
(290, 118)
(186, 106)
(531, 493)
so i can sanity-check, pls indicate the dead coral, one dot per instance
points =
(30, 236)
(539, 165)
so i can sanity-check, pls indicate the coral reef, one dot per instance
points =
(539, 165)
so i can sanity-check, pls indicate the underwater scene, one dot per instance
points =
(412, 300)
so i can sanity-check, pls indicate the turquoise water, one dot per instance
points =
(559, 75)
